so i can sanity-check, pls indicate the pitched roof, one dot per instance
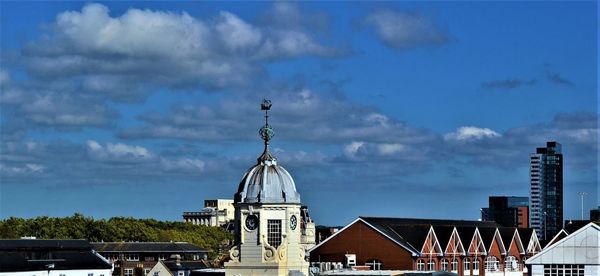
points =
(506, 233)
(413, 232)
(466, 235)
(561, 235)
(17, 255)
(588, 241)
(185, 265)
(181, 247)
(487, 235)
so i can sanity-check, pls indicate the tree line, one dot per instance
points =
(115, 229)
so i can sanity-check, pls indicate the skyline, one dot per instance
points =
(145, 109)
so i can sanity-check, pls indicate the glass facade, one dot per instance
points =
(546, 191)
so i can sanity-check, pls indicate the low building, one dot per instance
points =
(463, 247)
(216, 212)
(137, 258)
(577, 254)
(595, 214)
(33, 257)
(508, 211)
(176, 267)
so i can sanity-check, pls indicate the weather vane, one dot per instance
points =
(266, 132)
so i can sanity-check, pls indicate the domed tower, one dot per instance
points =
(267, 216)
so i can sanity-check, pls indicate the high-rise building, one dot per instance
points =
(546, 192)
(508, 211)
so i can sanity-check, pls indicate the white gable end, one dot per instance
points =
(581, 247)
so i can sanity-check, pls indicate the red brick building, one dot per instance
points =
(464, 247)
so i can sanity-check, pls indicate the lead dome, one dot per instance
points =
(267, 182)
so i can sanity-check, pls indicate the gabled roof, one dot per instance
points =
(173, 247)
(559, 236)
(487, 236)
(443, 234)
(466, 235)
(507, 234)
(573, 249)
(525, 233)
(411, 233)
(31, 255)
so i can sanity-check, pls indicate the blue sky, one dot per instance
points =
(413, 109)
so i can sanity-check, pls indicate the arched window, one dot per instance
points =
(511, 263)
(454, 265)
(466, 266)
(420, 265)
(374, 264)
(491, 264)
(476, 264)
(431, 265)
(444, 265)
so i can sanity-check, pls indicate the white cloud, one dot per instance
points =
(467, 133)
(117, 152)
(182, 165)
(24, 170)
(163, 48)
(350, 150)
(390, 149)
(405, 30)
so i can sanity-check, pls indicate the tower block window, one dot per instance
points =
(274, 232)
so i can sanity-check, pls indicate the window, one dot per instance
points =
(129, 272)
(146, 271)
(374, 264)
(156, 273)
(511, 264)
(420, 265)
(454, 265)
(90, 274)
(149, 258)
(274, 232)
(466, 265)
(564, 270)
(444, 265)
(180, 273)
(476, 265)
(132, 257)
(431, 265)
(491, 264)
(162, 257)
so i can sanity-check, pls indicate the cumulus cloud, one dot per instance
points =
(55, 107)
(26, 170)
(467, 133)
(405, 30)
(117, 152)
(162, 48)
(321, 118)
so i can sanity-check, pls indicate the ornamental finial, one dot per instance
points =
(266, 132)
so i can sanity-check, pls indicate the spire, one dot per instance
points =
(266, 133)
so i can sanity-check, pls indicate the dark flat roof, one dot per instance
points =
(182, 247)
(26, 255)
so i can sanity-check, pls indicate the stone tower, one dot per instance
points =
(269, 234)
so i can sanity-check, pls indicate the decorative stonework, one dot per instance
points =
(234, 254)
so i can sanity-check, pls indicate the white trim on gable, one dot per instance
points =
(457, 243)
(534, 258)
(412, 251)
(334, 234)
(436, 242)
(502, 247)
(519, 243)
(556, 236)
(479, 244)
